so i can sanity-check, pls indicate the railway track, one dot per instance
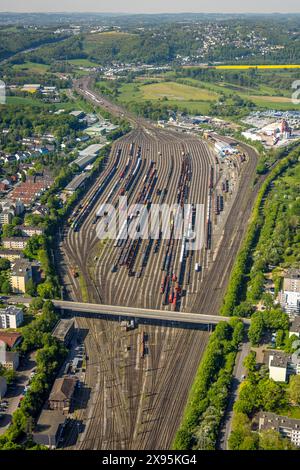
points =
(102, 284)
(137, 403)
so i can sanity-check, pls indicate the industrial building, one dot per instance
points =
(62, 392)
(78, 182)
(64, 331)
(88, 155)
(49, 428)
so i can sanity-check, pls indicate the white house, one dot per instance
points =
(11, 317)
(282, 365)
(295, 328)
(289, 297)
(278, 364)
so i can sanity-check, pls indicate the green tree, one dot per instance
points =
(271, 440)
(31, 288)
(4, 264)
(256, 329)
(36, 305)
(46, 290)
(16, 221)
(242, 437)
(6, 287)
(294, 389)
(250, 362)
(249, 398)
(272, 394)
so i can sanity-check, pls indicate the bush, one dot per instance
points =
(208, 396)
(238, 274)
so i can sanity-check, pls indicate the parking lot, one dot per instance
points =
(15, 391)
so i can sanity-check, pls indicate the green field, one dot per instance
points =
(20, 100)
(196, 100)
(31, 67)
(279, 103)
(105, 40)
(82, 63)
(177, 92)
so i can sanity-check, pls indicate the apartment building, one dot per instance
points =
(11, 317)
(287, 427)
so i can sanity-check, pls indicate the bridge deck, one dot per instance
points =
(162, 315)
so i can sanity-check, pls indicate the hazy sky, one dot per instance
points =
(150, 6)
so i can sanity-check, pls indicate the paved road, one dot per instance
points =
(14, 394)
(163, 315)
(115, 310)
(238, 373)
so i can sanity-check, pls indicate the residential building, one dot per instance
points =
(11, 255)
(10, 338)
(278, 364)
(28, 231)
(16, 206)
(11, 317)
(9, 360)
(3, 387)
(64, 331)
(287, 427)
(295, 327)
(15, 243)
(282, 365)
(21, 274)
(291, 281)
(49, 428)
(40, 210)
(30, 190)
(6, 216)
(3, 186)
(289, 297)
(62, 392)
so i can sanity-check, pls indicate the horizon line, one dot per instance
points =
(152, 13)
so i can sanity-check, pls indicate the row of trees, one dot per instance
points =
(209, 393)
(242, 265)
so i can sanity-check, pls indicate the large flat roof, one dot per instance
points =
(77, 182)
(92, 149)
(62, 328)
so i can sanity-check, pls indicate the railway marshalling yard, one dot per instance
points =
(137, 379)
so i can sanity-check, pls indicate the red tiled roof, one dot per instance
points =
(10, 338)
